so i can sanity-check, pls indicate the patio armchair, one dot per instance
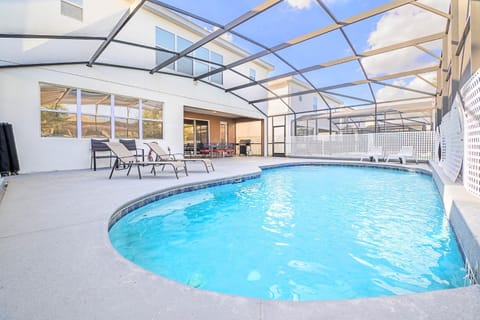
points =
(124, 156)
(162, 155)
(98, 150)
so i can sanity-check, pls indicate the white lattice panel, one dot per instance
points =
(451, 131)
(471, 97)
(436, 144)
(356, 145)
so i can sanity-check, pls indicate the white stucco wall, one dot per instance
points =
(20, 105)
(19, 87)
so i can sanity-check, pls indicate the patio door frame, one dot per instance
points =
(195, 132)
(281, 143)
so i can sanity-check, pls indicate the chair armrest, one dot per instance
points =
(141, 153)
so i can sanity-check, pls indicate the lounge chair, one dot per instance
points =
(373, 153)
(402, 155)
(132, 146)
(124, 156)
(162, 155)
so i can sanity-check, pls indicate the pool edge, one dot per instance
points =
(160, 194)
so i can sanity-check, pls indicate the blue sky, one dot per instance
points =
(293, 18)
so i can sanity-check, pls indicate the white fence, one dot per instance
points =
(471, 171)
(357, 145)
(451, 137)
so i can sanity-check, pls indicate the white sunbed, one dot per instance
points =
(404, 153)
(373, 153)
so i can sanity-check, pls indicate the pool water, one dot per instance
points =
(300, 233)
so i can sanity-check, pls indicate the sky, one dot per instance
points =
(293, 18)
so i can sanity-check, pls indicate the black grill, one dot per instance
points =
(243, 144)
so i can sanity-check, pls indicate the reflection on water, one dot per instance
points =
(300, 233)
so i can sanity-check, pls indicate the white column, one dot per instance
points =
(79, 113)
(112, 115)
(140, 118)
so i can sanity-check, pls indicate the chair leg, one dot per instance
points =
(206, 166)
(174, 170)
(113, 168)
(130, 164)
(139, 173)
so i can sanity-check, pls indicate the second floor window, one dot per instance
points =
(164, 40)
(208, 60)
(252, 74)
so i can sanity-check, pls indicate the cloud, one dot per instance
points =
(300, 4)
(390, 93)
(399, 25)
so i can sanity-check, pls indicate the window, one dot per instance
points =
(126, 117)
(58, 111)
(184, 65)
(315, 103)
(209, 60)
(96, 114)
(152, 119)
(300, 98)
(200, 66)
(252, 74)
(72, 9)
(218, 59)
(164, 40)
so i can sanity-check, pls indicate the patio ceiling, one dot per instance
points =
(332, 47)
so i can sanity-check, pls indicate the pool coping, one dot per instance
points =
(466, 240)
(58, 263)
(463, 210)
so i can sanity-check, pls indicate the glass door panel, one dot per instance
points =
(195, 135)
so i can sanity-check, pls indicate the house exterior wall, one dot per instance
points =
(20, 91)
(214, 125)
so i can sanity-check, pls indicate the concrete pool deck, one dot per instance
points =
(57, 262)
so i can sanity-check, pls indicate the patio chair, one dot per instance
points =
(124, 156)
(406, 151)
(374, 153)
(132, 146)
(162, 155)
(98, 150)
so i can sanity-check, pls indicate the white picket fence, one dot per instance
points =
(357, 145)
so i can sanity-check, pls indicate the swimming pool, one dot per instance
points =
(300, 233)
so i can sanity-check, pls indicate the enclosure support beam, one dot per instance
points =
(362, 16)
(118, 27)
(217, 33)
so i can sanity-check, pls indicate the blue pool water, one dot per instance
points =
(300, 233)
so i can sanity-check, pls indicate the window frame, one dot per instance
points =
(112, 116)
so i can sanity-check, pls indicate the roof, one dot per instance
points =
(350, 50)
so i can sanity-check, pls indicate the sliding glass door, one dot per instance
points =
(195, 135)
